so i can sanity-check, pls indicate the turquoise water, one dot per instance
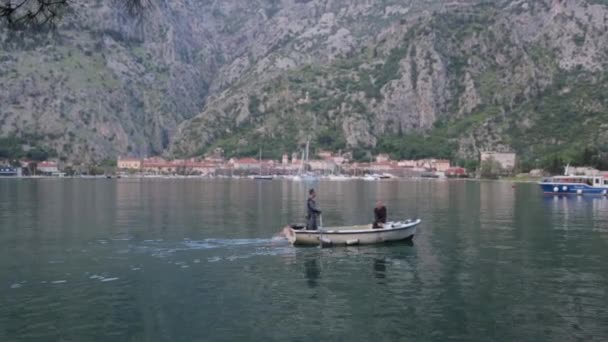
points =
(200, 260)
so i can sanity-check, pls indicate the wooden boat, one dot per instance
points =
(352, 235)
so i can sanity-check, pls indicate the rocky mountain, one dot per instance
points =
(412, 78)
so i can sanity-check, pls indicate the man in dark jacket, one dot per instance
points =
(379, 215)
(312, 211)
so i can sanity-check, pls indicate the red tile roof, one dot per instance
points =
(246, 161)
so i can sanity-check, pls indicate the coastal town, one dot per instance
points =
(323, 164)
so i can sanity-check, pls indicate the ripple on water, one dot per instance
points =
(103, 279)
(507, 273)
(109, 279)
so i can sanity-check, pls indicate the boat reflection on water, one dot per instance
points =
(562, 201)
(381, 258)
(566, 208)
(312, 272)
(380, 269)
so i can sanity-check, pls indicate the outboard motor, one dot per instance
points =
(297, 226)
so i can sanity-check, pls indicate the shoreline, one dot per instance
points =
(510, 179)
(321, 178)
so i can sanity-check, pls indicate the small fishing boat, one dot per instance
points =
(352, 235)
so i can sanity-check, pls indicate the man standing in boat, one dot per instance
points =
(313, 212)
(379, 215)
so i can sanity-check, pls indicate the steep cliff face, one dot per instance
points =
(451, 81)
(413, 78)
(328, 71)
(103, 84)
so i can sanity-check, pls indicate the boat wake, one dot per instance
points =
(235, 247)
(223, 243)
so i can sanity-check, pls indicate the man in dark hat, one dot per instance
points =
(313, 212)
(379, 215)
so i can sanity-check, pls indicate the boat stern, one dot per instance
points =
(290, 234)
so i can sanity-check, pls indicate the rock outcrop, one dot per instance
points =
(463, 76)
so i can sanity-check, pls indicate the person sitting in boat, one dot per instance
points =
(313, 212)
(379, 215)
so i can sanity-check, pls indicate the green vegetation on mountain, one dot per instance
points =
(13, 148)
(413, 79)
(449, 86)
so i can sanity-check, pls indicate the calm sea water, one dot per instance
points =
(199, 260)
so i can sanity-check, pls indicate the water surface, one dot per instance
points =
(199, 260)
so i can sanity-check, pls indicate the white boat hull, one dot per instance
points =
(355, 235)
(338, 178)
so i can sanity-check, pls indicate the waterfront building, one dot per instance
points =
(384, 166)
(324, 154)
(322, 165)
(126, 163)
(205, 167)
(407, 163)
(246, 164)
(295, 159)
(382, 158)
(48, 168)
(442, 165)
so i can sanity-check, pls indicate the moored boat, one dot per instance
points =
(262, 177)
(295, 178)
(575, 185)
(8, 171)
(306, 177)
(352, 235)
(338, 178)
(370, 178)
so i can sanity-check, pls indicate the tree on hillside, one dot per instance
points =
(594, 157)
(29, 13)
(490, 169)
(555, 165)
